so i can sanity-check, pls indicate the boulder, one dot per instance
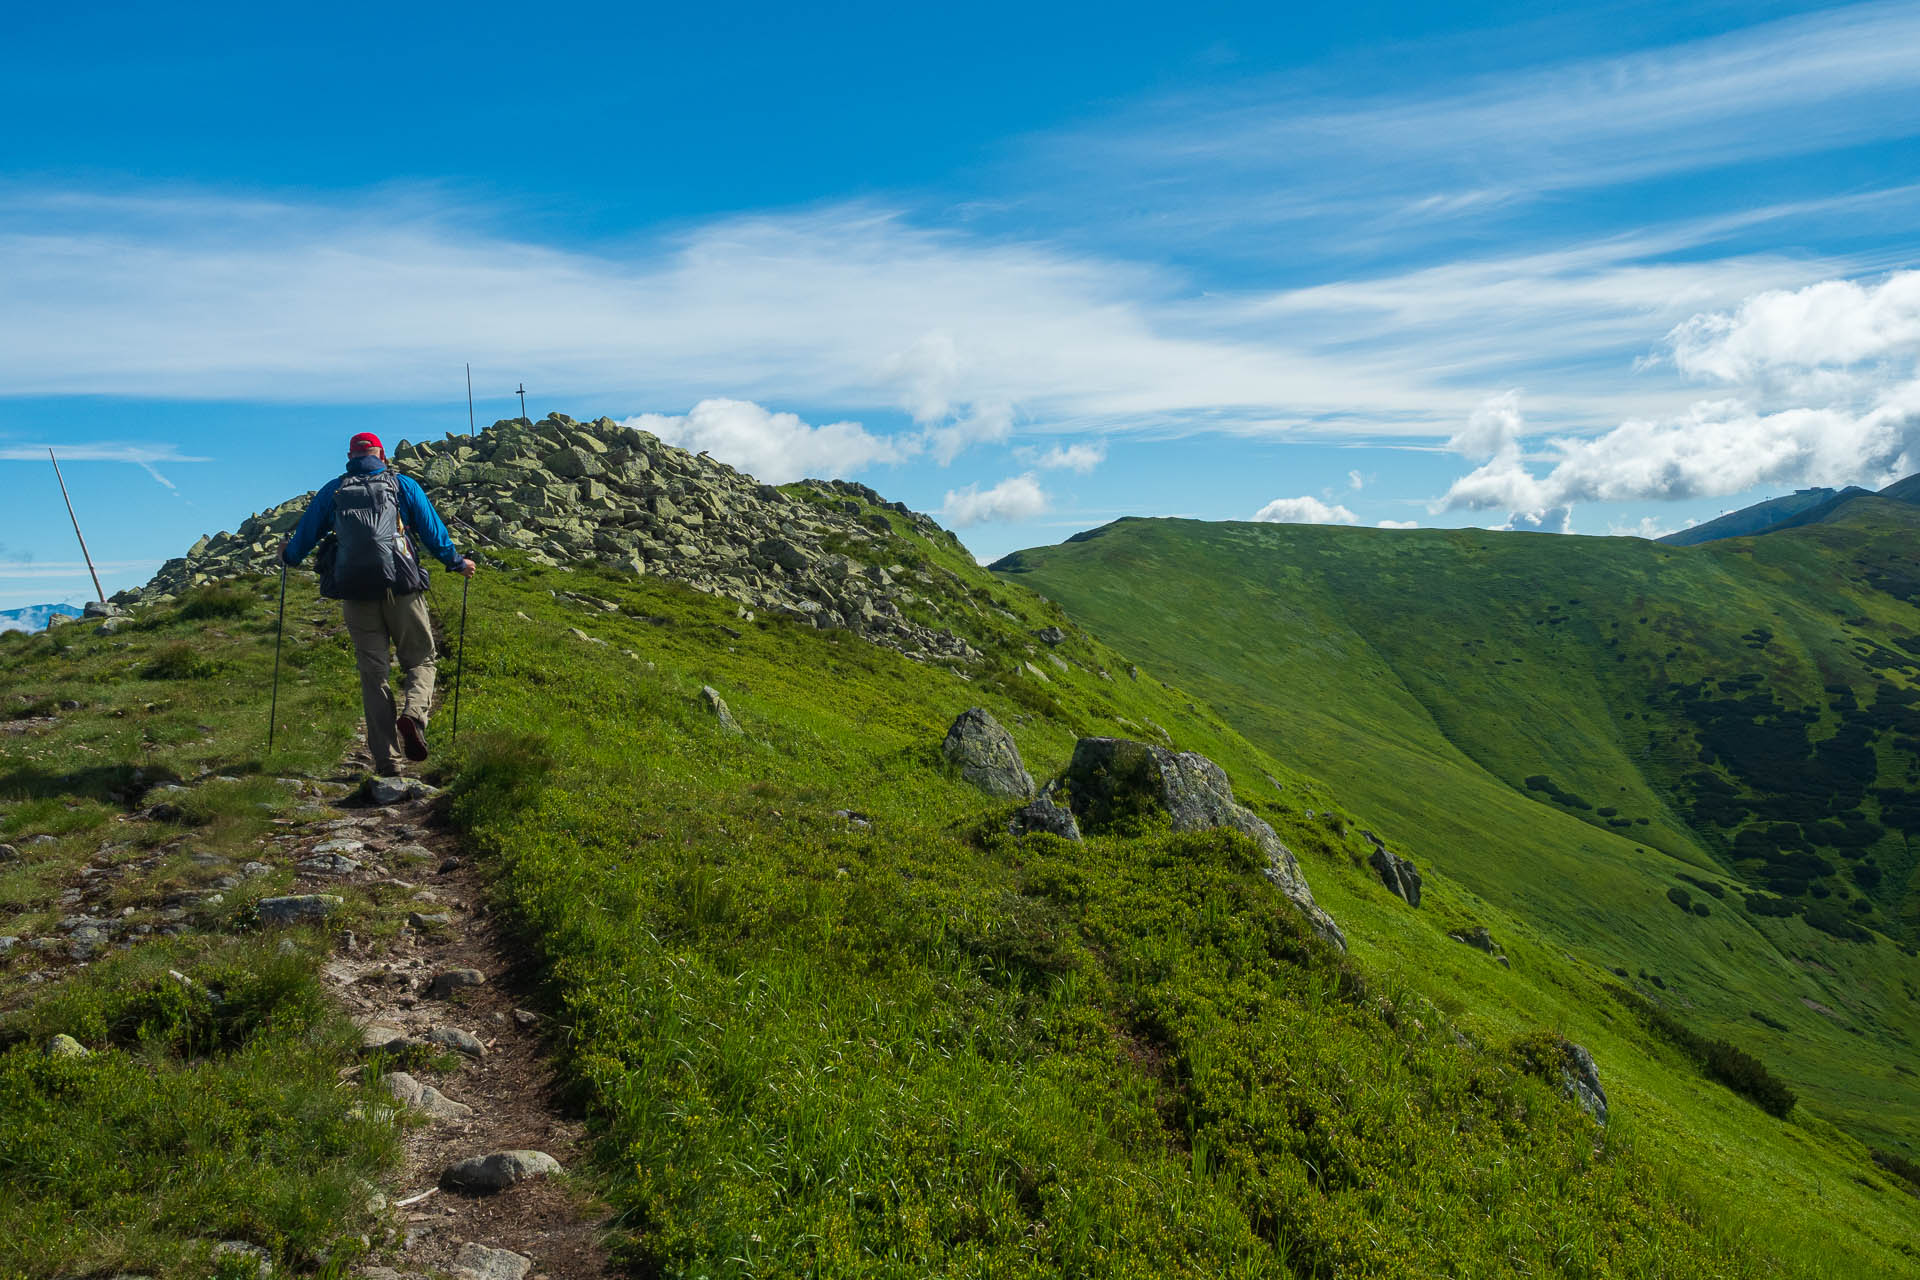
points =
(1395, 872)
(463, 1042)
(498, 1171)
(986, 755)
(381, 792)
(1051, 636)
(1481, 940)
(65, 1046)
(1112, 778)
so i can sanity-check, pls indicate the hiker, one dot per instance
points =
(365, 524)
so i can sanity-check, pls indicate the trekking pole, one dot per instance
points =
(460, 659)
(279, 627)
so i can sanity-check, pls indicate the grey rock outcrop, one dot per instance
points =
(424, 1098)
(562, 491)
(1395, 872)
(1481, 939)
(1580, 1081)
(1111, 777)
(986, 755)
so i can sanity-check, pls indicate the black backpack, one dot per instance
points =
(370, 551)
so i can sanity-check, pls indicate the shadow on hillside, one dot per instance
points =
(100, 782)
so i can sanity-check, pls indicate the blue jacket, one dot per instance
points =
(415, 509)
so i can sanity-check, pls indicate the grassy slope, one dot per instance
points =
(915, 1047)
(193, 1121)
(825, 1048)
(1421, 675)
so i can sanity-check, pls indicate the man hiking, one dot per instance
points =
(365, 524)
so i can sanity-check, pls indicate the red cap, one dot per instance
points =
(366, 440)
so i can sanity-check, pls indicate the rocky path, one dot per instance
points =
(476, 1197)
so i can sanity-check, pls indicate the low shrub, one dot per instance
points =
(179, 661)
(214, 601)
(1718, 1059)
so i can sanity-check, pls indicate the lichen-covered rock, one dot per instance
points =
(986, 755)
(1111, 778)
(301, 908)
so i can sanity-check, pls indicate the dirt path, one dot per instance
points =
(415, 995)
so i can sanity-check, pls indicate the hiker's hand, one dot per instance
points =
(466, 568)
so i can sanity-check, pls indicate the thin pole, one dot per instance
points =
(470, 430)
(460, 660)
(98, 594)
(279, 627)
(523, 399)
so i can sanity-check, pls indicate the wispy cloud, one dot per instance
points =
(143, 456)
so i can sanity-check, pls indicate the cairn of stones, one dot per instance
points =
(561, 492)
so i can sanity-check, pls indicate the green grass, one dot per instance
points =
(918, 1047)
(907, 1044)
(210, 1107)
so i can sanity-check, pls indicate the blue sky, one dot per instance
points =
(1608, 271)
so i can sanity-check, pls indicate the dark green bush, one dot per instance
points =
(179, 661)
(214, 601)
(1719, 1060)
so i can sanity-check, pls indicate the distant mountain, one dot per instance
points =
(1758, 518)
(33, 617)
(1796, 510)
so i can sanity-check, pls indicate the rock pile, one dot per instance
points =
(563, 491)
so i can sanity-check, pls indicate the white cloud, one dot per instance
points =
(1079, 458)
(1306, 510)
(1777, 427)
(1835, 324)
(774, 447)
(1015, 499)
(978, 424)
(1648, 527)
(1398, 524)
(1356, 481)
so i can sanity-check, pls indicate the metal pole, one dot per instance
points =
(279, 628)
(460, 660)
(470, 430)
(98, 594)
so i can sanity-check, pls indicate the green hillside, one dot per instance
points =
(827, 1018)
(1583, 730)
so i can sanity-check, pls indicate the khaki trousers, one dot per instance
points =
(399, 622)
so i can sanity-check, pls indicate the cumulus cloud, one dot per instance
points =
(1835, 324)
(1014, 499)
(774, 447)
(1822, 390)
(1398, 524)
(1306, 510)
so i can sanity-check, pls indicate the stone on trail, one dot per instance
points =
(1111, 776)
(300, 908)
(444, 984)
(478, 1262)
(498, 1171)
(986, 756)
(377, 1037)
(457, 1040)
(331, 864)
(424, 922)
(381, 792)
(424, 1098)
(718, 706)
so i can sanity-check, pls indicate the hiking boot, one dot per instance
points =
(413, 737)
